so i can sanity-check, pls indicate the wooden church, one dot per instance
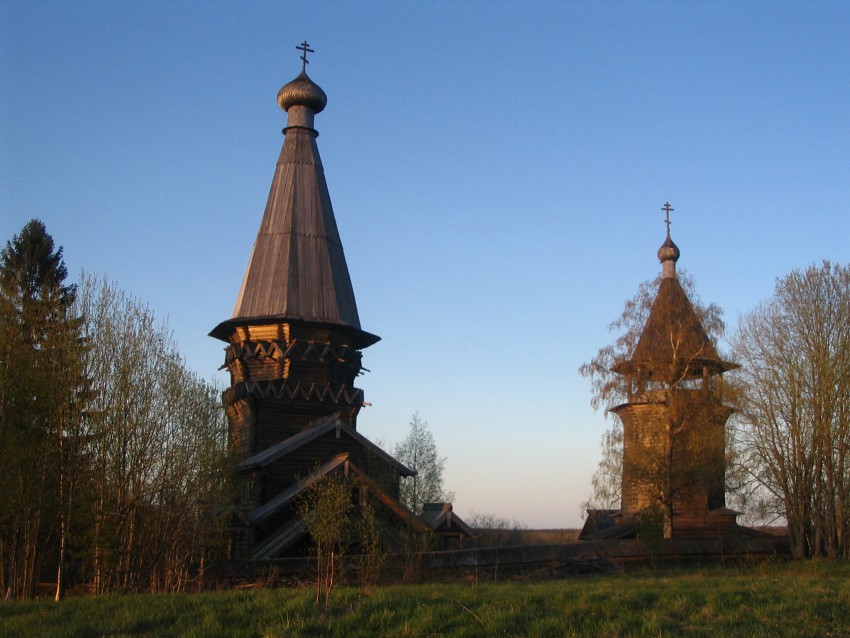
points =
(294, 350)
(674, 424)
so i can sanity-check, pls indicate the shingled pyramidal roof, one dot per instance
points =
(674, 343)
(297, 268)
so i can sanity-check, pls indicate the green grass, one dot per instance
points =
(798, 599)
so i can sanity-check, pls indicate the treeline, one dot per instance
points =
(113, 454)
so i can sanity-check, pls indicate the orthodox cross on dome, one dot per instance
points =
(667, 210)
(305, 49)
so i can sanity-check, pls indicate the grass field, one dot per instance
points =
(796, 599)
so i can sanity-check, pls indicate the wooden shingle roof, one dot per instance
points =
(314, 431)
(297, 269)
(440, 517)
(295, 529)
(674, 343)
(673, 331)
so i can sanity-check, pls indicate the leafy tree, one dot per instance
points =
(42, 400)
(419, 452)
(656, 464)
(793, 439)
(373, 555)
(326, 509)
(113, 455)
(157, 444)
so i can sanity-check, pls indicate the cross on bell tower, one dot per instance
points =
(667, 210)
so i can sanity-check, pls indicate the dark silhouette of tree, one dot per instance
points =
(42, 400)
(113, 455)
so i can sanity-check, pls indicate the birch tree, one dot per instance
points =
(326, 508)
(419, 452)
(113, 454)
(158, 448)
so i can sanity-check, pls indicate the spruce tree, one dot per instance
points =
(42, 388)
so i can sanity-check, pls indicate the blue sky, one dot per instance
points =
(497, 171)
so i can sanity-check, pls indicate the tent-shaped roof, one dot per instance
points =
(297, 269)
(674, 343)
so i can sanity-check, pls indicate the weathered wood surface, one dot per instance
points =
(554, 561)
(616, 551)
(297, 268)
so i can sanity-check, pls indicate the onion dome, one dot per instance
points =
(668, 251)
(302, 91)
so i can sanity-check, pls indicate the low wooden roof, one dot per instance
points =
(295, 490)
(338, 462)
(315, 430)
(440, 517)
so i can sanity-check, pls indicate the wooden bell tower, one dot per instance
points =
(674, 420)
